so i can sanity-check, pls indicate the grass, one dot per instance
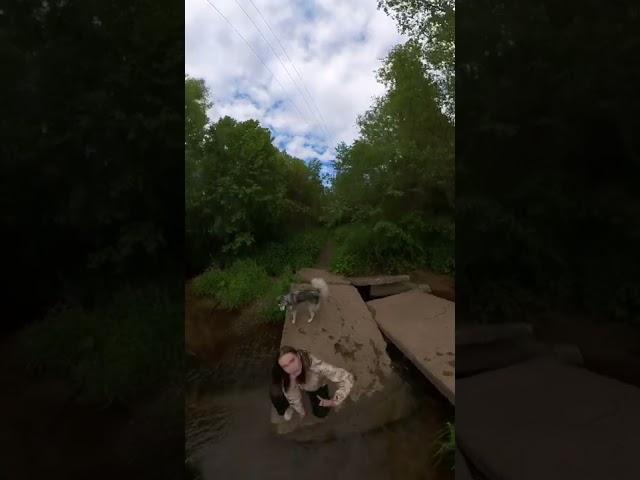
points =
(446, 443)
(269, 308)
(126, 348)
(264, 276)
(244, 283)
(240, 284)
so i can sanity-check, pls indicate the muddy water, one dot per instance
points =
(228, 430)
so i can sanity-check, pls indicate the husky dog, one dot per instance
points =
(313, 298)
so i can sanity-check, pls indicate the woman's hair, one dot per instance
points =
(279, 378)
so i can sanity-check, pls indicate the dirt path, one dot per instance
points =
(326, 255)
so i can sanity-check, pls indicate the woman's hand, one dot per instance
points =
(325, 402)
(288, 414)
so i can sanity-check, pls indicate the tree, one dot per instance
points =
(398, 176)
(431, 25)
(196, 102)
(241, 191)
(403, 160)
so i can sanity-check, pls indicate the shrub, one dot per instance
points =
(439, 240)
(382, 247)
(394, 247)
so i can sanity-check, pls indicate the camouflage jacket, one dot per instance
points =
(316, 376)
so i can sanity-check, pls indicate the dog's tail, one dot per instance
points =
(321, 285)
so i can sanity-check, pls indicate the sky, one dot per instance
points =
(308, 73)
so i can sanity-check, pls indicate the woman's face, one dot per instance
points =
(290, 363)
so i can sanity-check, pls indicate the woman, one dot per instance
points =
(296, 370)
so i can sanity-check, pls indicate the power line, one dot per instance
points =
(258, 57)
(291, 62)
(318, 115)
(283, 66)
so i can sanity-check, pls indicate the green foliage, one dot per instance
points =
(394, 242)
(396, 181)
(430, 24)
(351, 256)
(238, 191)
(234, 287)
(438, 237)
(394, 247)
(446, 446)
(241, 191)
(404, 157)
(114, 352)
(298, 251)
(269, 301)
(247, 279)
(367, 249)
(195, 113)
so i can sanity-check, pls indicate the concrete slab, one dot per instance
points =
(306, 274)
(344, 334)
(378, 280)
(422, 326)
(379, 291)
(545, 419)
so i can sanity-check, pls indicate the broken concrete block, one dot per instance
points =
(344, 334)
(422, 326)
(378, 280)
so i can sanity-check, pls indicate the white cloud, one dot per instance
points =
(239, 109)
(335, 45)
